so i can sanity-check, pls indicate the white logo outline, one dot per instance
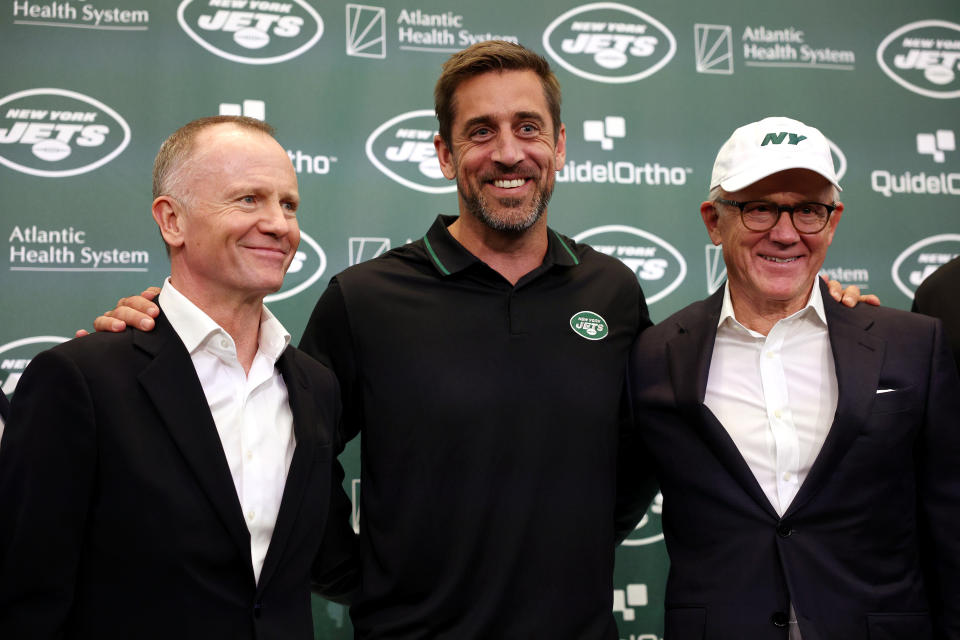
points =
(356, 44)
(368, 147)
(242, 59)
(706, 61)
(716, 267)
(283, 295)
(43, 173)
(919, 244)
(935, 144)
(660, 242)
(586, 335)
(920, 24)
(604, 131)
(357, 245)
(22, 342)
(615, 7)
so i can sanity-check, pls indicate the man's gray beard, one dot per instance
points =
(477, 206)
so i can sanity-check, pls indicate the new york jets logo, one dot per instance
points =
(589, 325)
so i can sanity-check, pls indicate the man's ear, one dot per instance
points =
(445, 156)
(560, 155)
(834, 221)
(711, 219)
(168, 214)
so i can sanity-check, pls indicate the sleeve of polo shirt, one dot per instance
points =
(328, 338)
(938, 471)
(48, 462)
(636, 483)
(335, 573)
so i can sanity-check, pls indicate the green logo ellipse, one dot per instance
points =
(589, 325)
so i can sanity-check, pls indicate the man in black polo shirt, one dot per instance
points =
(483, 365)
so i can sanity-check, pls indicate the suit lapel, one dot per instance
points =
(689, 353)
(857, 358)
(301, 466)
(171, 382)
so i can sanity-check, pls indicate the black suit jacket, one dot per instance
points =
(120, 517)
(939, 296)
(4, 407)
(870, 545)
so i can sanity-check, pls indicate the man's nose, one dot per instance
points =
(784, 232)
(275, 219)
(508, 149)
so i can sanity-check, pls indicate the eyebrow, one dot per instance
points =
(519, 115)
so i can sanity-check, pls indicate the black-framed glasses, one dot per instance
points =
(763, 215)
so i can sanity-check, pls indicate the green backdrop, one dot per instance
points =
(651, 90)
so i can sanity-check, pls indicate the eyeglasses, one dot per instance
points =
(763, 215)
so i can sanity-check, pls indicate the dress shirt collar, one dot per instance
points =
(814, 303)
(196, 328)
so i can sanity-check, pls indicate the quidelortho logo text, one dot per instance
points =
(609, 42)
(251, 31)
(402, 149)
(924, 57)
(56, 133)
(658, 265)
(921, 259)
(926, 175)
(605, 163)
(307, 266)
(16, 355)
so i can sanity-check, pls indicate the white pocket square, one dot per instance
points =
(879, 391)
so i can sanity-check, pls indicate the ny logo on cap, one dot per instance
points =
(777, 138)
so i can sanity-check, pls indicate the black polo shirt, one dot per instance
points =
(490, 416)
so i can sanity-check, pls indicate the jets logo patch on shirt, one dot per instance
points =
(589, 325)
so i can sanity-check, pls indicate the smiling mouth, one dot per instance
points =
(507, 183)
(780, 260)
(273, 250)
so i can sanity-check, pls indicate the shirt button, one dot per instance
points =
(224, 344)
(770, 354)
(251, 515)
(249, 455)
(786, 475)
(777, 413)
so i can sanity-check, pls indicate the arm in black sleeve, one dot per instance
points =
(48, 461)
(328, 339)
(938, 469)
(636, 483)
(335, 573)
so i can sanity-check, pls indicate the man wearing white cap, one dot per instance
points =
(808, 453)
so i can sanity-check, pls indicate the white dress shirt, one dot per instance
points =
(252, 412)
(776, 395)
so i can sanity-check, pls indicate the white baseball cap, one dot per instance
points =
(763, 148)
